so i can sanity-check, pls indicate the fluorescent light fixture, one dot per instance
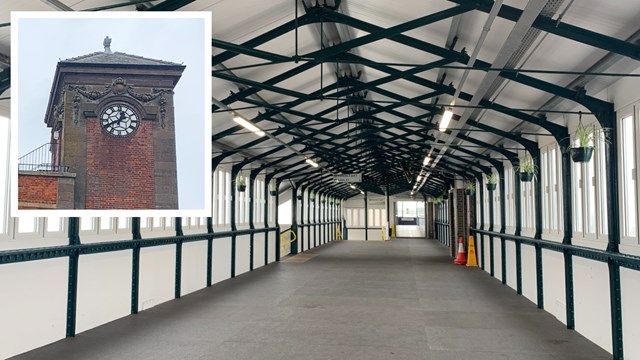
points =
(446, 118)
(419, 178)
(412, 193)
(426, 161)
(248, 125)
(361, 192)
(352, 186)
(311, 162)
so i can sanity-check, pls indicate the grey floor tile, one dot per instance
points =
(400, 299)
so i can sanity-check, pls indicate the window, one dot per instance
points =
(589, 195)
(509, 182)
(54, 224)
(628, 181)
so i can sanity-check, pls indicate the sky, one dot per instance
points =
(44, 42)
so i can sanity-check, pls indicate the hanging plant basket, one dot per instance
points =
(469, 192)
(273, 192)
(526, 176)
(581, 154)
(299, 197)
(241, 187)
(491, 187)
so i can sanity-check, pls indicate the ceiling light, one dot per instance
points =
(361, 192)
(311, 162)
(352, 186)
(419, 178)
(426, 161)
(446, 118)
(248, 125)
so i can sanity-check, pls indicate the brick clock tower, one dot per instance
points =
(112, 124)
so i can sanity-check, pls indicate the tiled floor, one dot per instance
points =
(400, 299)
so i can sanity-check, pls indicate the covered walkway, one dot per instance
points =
(399, 299)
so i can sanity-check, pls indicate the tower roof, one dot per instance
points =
(109, 57)
(115, 58)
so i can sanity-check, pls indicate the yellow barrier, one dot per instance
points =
(384, 233)
(338, 233)
(284, 242)
(393, 230)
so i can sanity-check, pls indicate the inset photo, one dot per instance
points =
(110, 114)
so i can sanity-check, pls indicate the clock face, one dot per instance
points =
(119, 120)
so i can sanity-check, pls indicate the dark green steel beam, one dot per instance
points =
(562, 29)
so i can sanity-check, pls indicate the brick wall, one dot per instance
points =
(37, 191)
(120, 171)
(461, 228)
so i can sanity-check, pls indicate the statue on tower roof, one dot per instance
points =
(107, 45)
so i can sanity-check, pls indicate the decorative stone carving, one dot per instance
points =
(76, 107)
(163, 110)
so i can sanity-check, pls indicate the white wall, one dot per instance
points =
(33, 308)
(104, 288)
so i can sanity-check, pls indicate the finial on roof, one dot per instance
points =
(107, 45)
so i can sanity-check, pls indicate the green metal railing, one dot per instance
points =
(614, 260)
(75, 249)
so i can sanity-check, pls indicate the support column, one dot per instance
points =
(480, 189)
(503, 220)
(277, 203)
(366, 217)
(72, 286)
(609, 119)
(518, 231)
(309, 221)
(302, 220)
(567, 206)
(232, 219)
(178, 277)
(491, 259)
(294, 219)
(386, 194)
(252, 185)
(135, 264)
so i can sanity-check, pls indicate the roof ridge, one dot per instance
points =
(103, 57)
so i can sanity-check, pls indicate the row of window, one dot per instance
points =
(588, 189)
(354, 217)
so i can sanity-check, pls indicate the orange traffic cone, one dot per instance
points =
(462, 257)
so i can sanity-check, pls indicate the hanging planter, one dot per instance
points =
(585, 139)
(526, 176)
(527, 168)
(470, 188)
(273, 190)
(312, 197)
(581, 154)
(299, 197)
(241, 184)
(492, 181)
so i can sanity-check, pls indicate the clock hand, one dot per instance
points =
(121, 117)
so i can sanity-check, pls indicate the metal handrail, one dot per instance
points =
(283, 242)
(40, 159)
